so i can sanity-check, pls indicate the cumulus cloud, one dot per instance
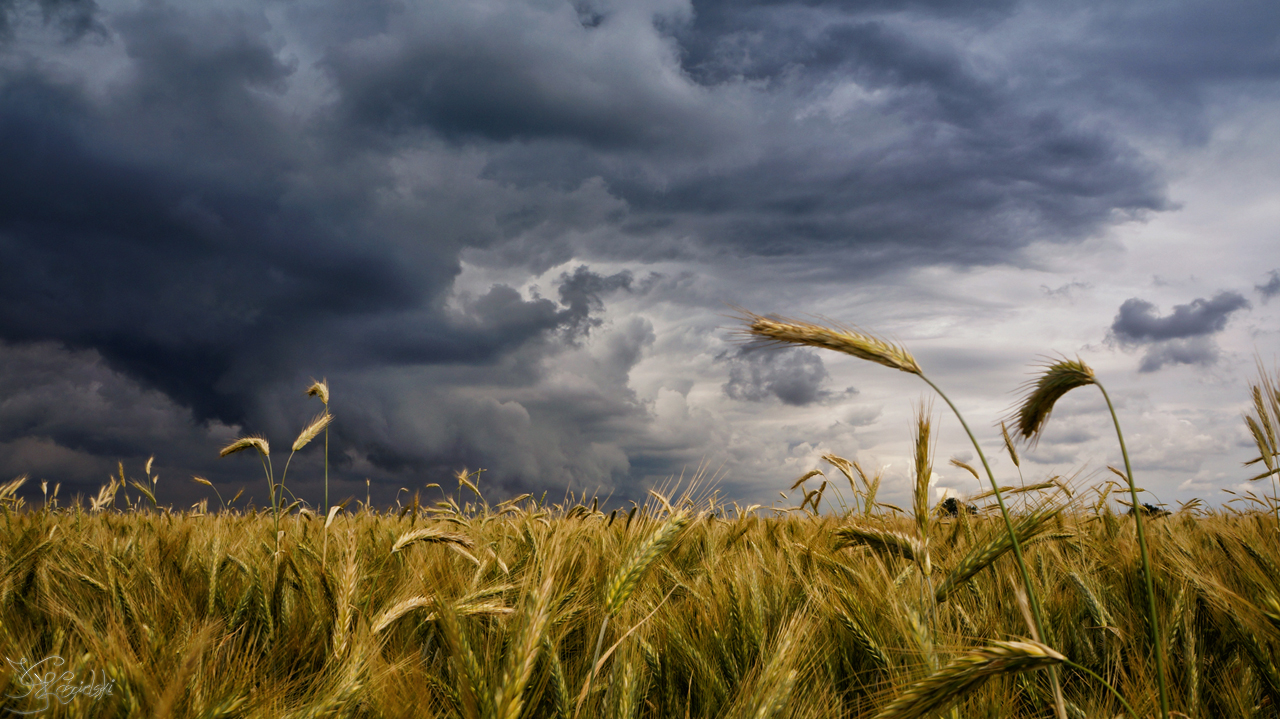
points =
(1184, 336)
(1139, 322)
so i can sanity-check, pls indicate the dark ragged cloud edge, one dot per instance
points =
(1270, 288)
(413, 429)
(75, 18)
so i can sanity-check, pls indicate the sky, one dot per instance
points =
(511, 234)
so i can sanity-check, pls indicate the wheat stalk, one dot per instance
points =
(1055, 381)
(981, 557)
(873, 349)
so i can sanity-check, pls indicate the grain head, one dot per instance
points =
(781, 330)
(1042, 393)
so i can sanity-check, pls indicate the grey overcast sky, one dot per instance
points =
(509, 233)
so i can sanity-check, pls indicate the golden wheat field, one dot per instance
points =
(1043, 599)
(693, 610)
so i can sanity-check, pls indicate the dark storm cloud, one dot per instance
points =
(920, 126)
(76, 18)
(209, 204)
(192, 255)
(1138, 321)
(526, 71)
(794, 376)
(1271, 287)
(1184, 336)
(583, 291)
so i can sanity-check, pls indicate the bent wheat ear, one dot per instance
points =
(955, 462)
(321, 421)
(319, 389)
(1057, 379)
(426, 534)
(950, 684)
(807, 476)
(884, 541)
(244, 443)
(388, 617)
(1008, 445)
(841, 339)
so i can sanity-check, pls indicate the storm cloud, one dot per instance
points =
(795, 377)
(441, 207)
(1184, 336)
(1139, 322)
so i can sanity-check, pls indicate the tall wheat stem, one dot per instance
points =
(596, 659)
(1059, 702)
(1146, 561)
(326, 469)
(873, 349)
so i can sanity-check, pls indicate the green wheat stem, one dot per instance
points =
(1104, 683)
(1146, 561)
(591, 671)
(1013, 538)
(276, 507)
(326, 470)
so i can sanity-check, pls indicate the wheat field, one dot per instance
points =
(1049, 599)
(683, 606)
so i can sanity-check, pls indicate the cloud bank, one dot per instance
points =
(442, 206)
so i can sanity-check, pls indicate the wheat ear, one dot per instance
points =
(309, 432)
(881, 540)
(951, 684)
(625, 579)
(509, 698)
(258, 443)
(841, 339)
(430, 535)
